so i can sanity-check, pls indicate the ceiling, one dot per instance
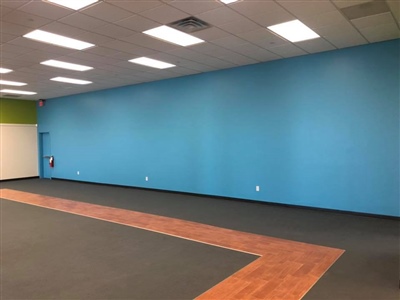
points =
(238, 36)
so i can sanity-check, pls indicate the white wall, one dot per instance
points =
(18, 151)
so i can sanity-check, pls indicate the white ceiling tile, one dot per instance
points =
(5, 37)
(288, 50)
(251, 8)
(194, 7)
(25, 19)
(395, 9)
(82, 21)
(272, 18)
(63, 29)
(381, 32)
(375, 20)
(316, 45)
(347, 3)
(230, 41)
(303, 9)
(138, 23)
(129, 48)
(149, 42)
(211, 33)
(263, 38)
(220, 16)
(240, 26)
(7, 55)
(136, 6)
(255, 52)
(37, 56)
(14, 29)
(24, 42)
(113, 31)
(14, 49)
(106, 12)
(346, 39)
(4, 10)
(324, 19)
(164, 14)
(14, 4)
(46, 10)
(90, 57)
(102, 51)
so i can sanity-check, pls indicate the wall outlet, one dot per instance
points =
(146, 178)
(77, 172)
(257, 188)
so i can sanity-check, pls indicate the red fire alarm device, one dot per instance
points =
(42, 102)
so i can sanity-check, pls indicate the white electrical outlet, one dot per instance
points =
(257, 188)
(77, 173)
(146, 178)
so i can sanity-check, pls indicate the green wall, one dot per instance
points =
(17, 111)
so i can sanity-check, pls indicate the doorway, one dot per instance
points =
(45, 153)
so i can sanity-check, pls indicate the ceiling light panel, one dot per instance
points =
(294, 31)
(17, 92)
(153, 63)
(174, 36)
(65, 65)
(73, 4)
(228, 1)
(58, 40)
(14, 83)
(71, 80)
(4, 70)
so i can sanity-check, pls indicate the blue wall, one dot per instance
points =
(320, 130)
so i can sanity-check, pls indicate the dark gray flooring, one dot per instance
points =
(369, 269)
(48, 254)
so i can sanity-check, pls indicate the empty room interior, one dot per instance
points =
(200, 149)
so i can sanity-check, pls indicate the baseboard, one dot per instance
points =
(16, 179)
(240, 199)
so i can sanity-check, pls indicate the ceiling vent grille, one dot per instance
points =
(189, 25)
(365, 9)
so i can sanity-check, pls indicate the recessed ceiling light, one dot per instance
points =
(71, 80)
(294, 31)
(149, 62)
(4, 70)
(65, 65)
(228, 1)
(73, 4)
(173, 36)
(58, 40)
(17, 92)
(14, 83)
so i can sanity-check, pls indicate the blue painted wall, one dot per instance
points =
(319, 130)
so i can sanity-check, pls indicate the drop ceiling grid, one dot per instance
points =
(238, 37)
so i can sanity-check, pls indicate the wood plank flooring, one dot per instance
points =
(286, 270)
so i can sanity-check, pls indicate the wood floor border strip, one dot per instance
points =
(285, 270)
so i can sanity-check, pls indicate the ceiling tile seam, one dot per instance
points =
(351, 23)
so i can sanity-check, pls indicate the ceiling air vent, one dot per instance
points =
(365, 9)
(11, 96)
(189, 25)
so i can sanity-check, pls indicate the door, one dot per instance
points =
(45, 153)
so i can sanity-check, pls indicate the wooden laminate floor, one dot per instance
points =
(285, 270)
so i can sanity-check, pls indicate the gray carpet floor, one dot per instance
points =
(369, 269)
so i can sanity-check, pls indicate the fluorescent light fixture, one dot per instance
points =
(17, 92)
(173, 36)
(4, 70)
(14, 83)
(294, 31)
(73, 4)
(65, 65)
(70, 80)
(153, 63)
(228, 1)
(58, 40)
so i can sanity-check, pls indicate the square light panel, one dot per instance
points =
(4, 70)
(294, 31)
(73, 4)
(153, 63)
(228, 1)
(17, 92)
(174, 36)
(65, 65)
(14, 83)
(71, 80)
(58, 40)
